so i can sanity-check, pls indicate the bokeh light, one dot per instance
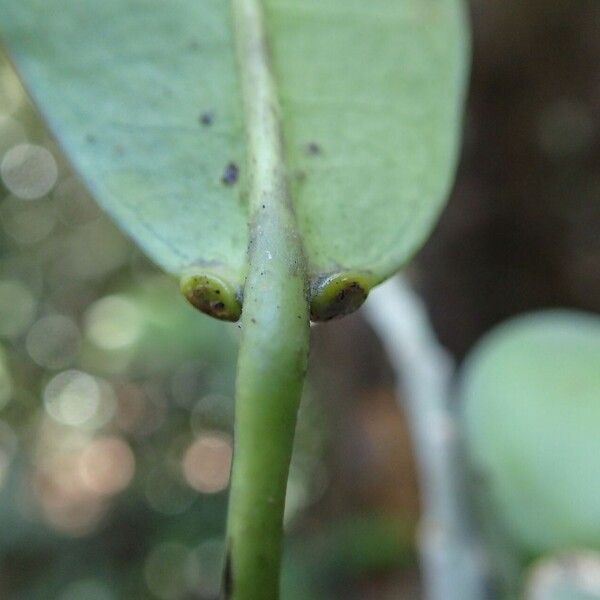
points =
(76, 398)
(65, 501)
(107, 465)
(207, 462)
(29, 171)
(53, 341)
(113, 322)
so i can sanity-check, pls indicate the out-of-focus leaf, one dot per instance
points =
(531, 399)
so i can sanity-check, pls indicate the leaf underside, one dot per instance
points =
(144, 97)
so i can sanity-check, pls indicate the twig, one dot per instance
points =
(275, 332)
(452, 556)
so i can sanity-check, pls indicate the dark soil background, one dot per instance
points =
(522, 228)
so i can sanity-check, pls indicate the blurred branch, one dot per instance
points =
(451, 554)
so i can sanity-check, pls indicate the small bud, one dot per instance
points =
(338, 295)
(212, 295)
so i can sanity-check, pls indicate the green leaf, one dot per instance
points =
(289, 149)
(144, 96)
(531, 399)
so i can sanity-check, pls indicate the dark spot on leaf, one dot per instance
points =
(90, 138)
(313, 149)
(194, 45)
(231, 174)
(253, 320)
(207, 119)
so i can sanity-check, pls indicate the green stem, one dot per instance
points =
(274, 345)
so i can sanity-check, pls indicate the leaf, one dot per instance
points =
(144, 96)
(531, 400)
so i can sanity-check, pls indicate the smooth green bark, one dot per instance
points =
(274, 345)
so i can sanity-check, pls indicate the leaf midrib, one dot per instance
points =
(265, 148)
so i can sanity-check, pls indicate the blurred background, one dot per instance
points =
(116, 398)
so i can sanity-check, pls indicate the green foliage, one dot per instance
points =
(145, 100)
(531, 394)
(198, 126)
